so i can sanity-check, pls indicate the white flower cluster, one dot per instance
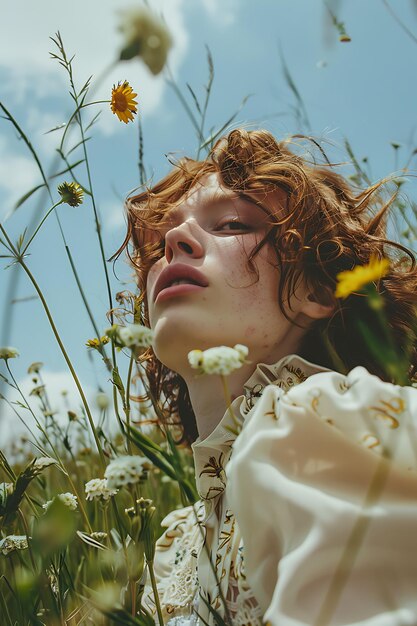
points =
(125, 470)
(42, 463)
(66, 498)
(131, 335)
(97, 488)
(221, 360)
(13, 542)
(8, 353)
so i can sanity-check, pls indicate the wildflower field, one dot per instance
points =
(86, 481)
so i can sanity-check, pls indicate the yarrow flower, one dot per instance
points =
(99, 535)
(131, 335)
(13, 542)
(71, 193)
(126, 470)
(354, 280)
(66, 498)
(123, 103)
(146, 37)
(98, 488)
(8, 353)
(220, 360)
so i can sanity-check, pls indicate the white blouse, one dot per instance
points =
(309, 516)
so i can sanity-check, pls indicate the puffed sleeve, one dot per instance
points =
(323, 483)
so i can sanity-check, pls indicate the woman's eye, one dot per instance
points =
(236, 225)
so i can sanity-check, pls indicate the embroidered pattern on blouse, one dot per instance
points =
(386, 409)
(187, 579)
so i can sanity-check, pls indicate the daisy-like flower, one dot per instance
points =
(98, 489)
(71, 193)
(38, 391)
(131, 335)
(146, 37)
(126, 470)
(13, 542)
(34, 368)
(220, 360)
(66, 498)
(8, 353)
(123, 103)
(361, 275)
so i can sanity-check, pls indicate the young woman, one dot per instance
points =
(308, 515)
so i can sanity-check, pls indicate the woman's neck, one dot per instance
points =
(208, 399)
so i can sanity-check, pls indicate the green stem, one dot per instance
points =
(63, 350)
(155, 593)
(102, 350)
(229, 403)
(127, 409)
(26, 528)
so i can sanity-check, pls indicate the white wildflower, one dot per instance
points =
(98, 535)
(135, 336)
(97, 488)
(220, 360)
(125, 470)
(146, 36)
(196, 358)
(42, 463)
(131, 335)
(35, 367)
(66, 498)
(8, 353)
(102, 400)
(13, 542)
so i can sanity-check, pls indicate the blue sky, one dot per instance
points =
(364, 90)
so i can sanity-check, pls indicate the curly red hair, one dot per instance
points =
(327, 227)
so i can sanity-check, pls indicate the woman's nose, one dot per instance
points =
(181, 240)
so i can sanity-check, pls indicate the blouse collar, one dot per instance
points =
(212, 453)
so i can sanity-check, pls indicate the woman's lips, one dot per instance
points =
(176, 290)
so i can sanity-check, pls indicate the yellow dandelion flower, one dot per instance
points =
(123, 103)
(354, 280)
(344, 38)
(71, 193)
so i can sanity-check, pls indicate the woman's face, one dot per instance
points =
(214, 230)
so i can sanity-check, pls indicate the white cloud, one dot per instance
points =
(20, 175)
(55, 382)
(222, 11)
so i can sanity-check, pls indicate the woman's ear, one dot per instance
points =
(315, 309)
